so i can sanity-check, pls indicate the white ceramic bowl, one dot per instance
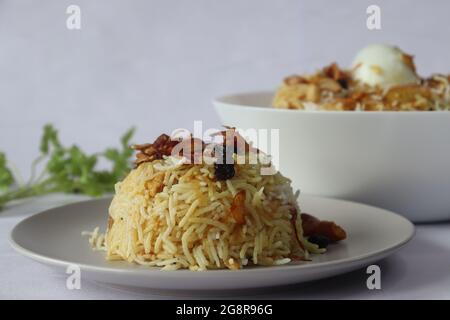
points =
(396, 160)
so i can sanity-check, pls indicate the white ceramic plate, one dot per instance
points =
(53, 237)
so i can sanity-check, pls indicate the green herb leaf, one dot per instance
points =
(6, 177)
(70, 169)
(49, 138)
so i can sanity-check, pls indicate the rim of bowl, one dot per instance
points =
(224, 101)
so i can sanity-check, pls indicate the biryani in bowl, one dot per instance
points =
(375, 133)
(210, 207)
(382, 78)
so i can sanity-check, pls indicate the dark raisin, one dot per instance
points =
(343, 82)
(224, 167)
(224, 171)
(320, 240)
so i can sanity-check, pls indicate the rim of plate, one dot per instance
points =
(223, 101)
(142, 271)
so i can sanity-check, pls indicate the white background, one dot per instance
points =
(156, 65)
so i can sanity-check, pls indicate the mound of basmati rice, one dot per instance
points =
(173, 215)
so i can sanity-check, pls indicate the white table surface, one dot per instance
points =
(420, 270)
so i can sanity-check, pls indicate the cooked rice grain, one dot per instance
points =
(187, 224)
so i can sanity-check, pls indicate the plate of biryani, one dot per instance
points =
(193, 215)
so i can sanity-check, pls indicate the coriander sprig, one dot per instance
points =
(6, 176)
(68, 169)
